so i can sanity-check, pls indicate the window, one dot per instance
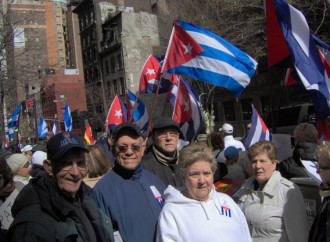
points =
(246, 108)
(229, 109)
(115, 88)
(122, 84)
(106, 67)
(119, 61)
(113, 65)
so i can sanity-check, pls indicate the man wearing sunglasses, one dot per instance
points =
(56, 205)
(161, 158)
(130, 195)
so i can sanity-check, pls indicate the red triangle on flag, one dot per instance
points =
(181, 49)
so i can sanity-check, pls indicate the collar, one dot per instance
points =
(128, 174)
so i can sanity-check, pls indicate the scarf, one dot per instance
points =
(164, 159)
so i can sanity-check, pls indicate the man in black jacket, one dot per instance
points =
(56, 205)
(161, 158)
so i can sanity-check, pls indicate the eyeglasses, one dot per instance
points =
(166, 134)
(68, 164)
(124, 148)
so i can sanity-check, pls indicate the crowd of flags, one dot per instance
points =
(202, 55)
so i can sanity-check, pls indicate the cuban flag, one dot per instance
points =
(186, 111)
(258, 130)
(55, 127)
(226, 211)
(203, 55)
(150, 75)
(42, 128)
(13, 122)
(117, 114)
(294, 43)
(137, 111)
(67, 117)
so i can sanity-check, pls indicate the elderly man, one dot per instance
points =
(56, 205)
(161, 158)
(130, 195)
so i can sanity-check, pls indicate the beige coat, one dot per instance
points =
(277, 213)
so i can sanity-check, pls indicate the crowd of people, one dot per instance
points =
(130, 188)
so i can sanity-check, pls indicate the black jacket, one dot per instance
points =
(167, 173)
(292, 167)
(320, 231)
(42, 214)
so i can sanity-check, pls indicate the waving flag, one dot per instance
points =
(137, 111)
(150, 75)
(89, 135)
(258, 130)
(13, 122)
(203, 55)
(55, 127)
(67, 117)
(186, 111)
(298, 40)
(117, 114)
(42, 128)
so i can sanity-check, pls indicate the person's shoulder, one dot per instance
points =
(150, 177)
(148, 158)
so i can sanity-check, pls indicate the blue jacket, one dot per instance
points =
(131, 200)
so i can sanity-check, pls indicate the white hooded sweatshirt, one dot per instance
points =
(187, 220)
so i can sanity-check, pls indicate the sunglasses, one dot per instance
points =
(124, 148)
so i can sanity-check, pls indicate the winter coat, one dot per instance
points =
(276, 213)
(217, 219)
(292, 167)
(42, 214)
(167, 173)
(320, 231)
(133, 201)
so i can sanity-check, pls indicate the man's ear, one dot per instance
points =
(48, 167)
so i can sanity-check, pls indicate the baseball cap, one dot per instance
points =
(165, 123)
(59, 144)
(126, 127)
(227, 128)
(231, 152)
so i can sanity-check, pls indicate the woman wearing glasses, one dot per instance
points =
(320, 231)
(273, 206)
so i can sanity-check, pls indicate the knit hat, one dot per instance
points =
(59, 144)
(17, 161)
(227, 128)
(38, 157)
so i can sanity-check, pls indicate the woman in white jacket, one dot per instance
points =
(273, 206)
(197, 212)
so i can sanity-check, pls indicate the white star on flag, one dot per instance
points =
(151, 72)
(186, 105)
(118, 113)
(188, 48)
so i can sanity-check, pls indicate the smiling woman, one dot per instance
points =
(196, 212)
(273, 206)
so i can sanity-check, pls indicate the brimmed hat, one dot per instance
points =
(227, 128)
(17, 161)
(231, 152)
(26, 148)
(124, 128)
(163, 123)
(58, 145)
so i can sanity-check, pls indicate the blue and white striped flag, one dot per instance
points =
(55, 127)
(67, 117)
(203, 55)
(42, 128)
(13, 122)
(140, 114)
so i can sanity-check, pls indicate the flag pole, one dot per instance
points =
(153, 108)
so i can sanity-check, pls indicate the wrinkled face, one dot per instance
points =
(199, 180)
(166, 139)
(323, 168)
(129, 151)
(72, 171)
(263, 167)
